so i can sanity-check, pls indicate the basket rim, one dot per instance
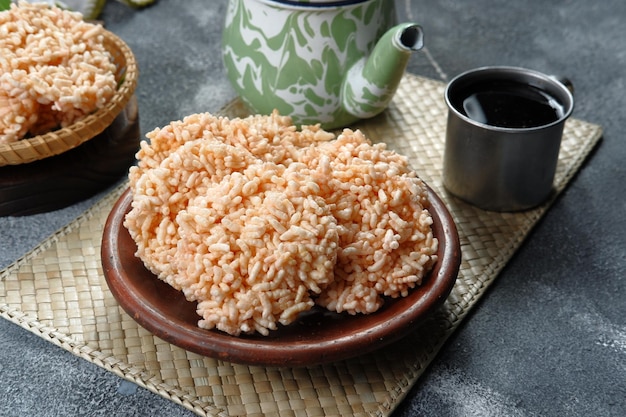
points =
(61, 140)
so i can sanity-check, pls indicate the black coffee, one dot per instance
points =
(508, 104)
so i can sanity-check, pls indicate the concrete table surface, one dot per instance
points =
(547, 339)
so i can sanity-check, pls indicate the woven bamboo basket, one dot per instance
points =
(61, 140)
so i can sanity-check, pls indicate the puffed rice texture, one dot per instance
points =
(258, 221)
(54, 70)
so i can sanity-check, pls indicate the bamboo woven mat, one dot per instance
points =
(58, 292)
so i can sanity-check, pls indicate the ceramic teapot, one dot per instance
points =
(317, 61)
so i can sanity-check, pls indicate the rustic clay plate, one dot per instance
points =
(317, 337)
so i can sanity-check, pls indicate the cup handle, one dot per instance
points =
(565, 81)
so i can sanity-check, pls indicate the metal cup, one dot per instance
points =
(502, 168)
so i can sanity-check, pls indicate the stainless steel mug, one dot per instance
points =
(503, 136)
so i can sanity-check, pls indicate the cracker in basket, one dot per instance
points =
(258, 221)
(54, 70)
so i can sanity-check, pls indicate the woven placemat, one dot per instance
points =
(59, 293)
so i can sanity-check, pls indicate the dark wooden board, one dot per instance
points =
(61, 180)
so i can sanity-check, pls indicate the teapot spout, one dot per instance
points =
(371, 83)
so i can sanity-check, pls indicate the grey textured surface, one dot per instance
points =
(549, 337)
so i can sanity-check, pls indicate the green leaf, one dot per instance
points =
(5, 4)
(137, 3)
(90, 9)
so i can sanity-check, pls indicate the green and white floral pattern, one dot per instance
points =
(295, 58)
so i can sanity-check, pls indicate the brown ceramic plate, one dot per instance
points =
(319, 336)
